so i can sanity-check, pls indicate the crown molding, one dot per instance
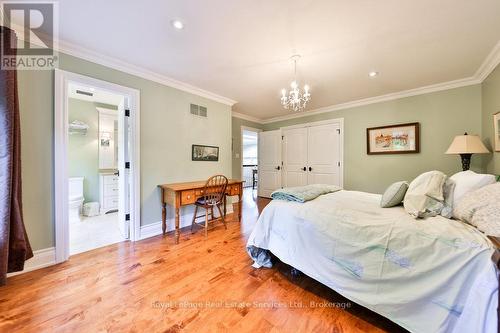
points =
(86, 54)
(486, 68)
(367, 101)
(246, 117)
(378, 99)
(123, 66)
(489, 64)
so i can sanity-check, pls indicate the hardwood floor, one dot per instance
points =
(198, 285)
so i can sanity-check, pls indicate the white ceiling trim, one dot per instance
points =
(86, 54)
(246, 117)
(486, 68)
(367, 101)
(489, 64)
(379, 99)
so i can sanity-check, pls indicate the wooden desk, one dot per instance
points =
(183, 194)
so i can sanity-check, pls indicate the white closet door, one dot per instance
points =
(323, 149)
(295, 157)
(269, 162)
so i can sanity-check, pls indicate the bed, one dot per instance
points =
(426, 275)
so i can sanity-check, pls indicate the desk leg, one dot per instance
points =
(240, 202)
(177, 206)
(225, 203)
(177, 222)
(164, 217)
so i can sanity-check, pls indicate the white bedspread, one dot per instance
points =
(432, 275)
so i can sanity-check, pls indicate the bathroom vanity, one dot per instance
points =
(108, 191)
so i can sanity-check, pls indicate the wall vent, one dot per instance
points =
(198, 110)
(86, 93)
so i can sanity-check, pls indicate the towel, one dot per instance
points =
(303, 193)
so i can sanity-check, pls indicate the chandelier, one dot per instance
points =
(296, 100)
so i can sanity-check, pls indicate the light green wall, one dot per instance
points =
(491, 105)
(83, 150)
(167, 132)
(236, 133)
(37, 140)
(441, 115)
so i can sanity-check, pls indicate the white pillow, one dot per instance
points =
(425, 196)
(487, 219)
(481, 208)
(467, 181)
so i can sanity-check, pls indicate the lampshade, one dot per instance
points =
(467, 144)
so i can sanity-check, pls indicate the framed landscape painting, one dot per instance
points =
(393, 139)
(204, 153)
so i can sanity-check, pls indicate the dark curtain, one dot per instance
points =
(15, 248)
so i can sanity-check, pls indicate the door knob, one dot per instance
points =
(278, 168)
(310, 169)
(304, 169)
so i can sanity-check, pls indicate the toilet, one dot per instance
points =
(75, 196)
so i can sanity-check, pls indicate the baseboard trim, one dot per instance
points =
(154, 229)
(41, 258)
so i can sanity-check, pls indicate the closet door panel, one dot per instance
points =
(294, 157)
(323, 154)
(323, 178)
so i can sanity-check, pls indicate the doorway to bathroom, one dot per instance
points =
(96, 164)
(93, 175)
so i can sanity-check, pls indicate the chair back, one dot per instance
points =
(215, 189)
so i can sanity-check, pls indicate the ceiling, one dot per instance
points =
(241, 49)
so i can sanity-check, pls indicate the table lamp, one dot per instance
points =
(466, 145)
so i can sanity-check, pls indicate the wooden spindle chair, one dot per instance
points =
(213, 196)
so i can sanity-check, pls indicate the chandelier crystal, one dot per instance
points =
(295, 99)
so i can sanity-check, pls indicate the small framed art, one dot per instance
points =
(393, 139)
(204, 153)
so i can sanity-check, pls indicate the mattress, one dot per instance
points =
(427, 275)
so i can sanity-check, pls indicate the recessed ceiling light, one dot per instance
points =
(177, 24)
(373, 74)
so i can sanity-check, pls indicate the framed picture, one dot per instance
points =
(496, 121)
(393, 139)
(204, 153)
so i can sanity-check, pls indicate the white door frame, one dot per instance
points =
(338, 121)
(62, 79)
(252, 129)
